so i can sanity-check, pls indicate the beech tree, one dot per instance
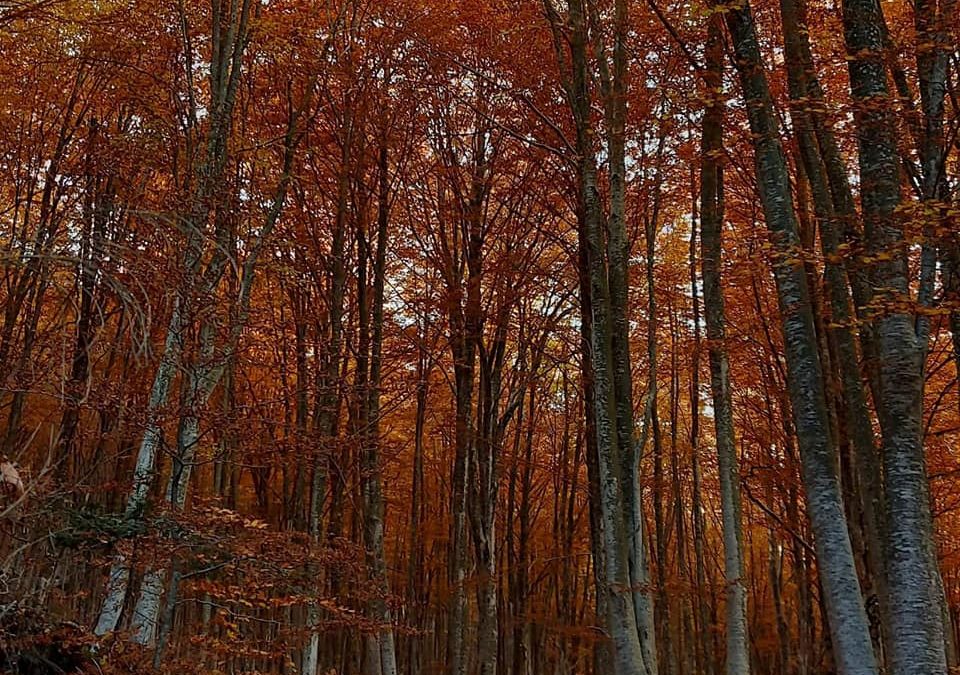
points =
(407, 336)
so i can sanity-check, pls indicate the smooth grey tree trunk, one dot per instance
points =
(912, 574)
(119, 579)
(934, 22)
(704, 651)
(628, 617)
(202, 378)
(812, 135)
(613, 79)
(371, 482)
(849, 629)
(711, 218)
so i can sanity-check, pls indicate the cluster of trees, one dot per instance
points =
(459, 336)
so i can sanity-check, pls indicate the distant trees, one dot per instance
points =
(408, 337)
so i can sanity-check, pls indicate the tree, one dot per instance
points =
(845, 609)
(398, 336)
(711, 219)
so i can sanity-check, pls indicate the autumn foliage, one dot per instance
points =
(461, 336)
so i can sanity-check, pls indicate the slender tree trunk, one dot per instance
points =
(371, 482)
(803, 85)
(118, 581)
(225, 71)
(849, 628)
(626, 583)
(602, 655)
(415, 580)
(613, 77)
(98, 208)
(705, 651)
(466, 323)
(200, 379)
(652, 429)
(683, 635)
(711, 218)
(933, 20)
(326, 411)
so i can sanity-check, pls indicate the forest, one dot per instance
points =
(480, 337)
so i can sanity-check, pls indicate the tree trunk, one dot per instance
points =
(711, 219)
(705, 651)
(849, 628)
(225, 71)
(912, 574)
(371, 482)
(626, 583)
(803, 86)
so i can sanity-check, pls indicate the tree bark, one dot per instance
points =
(371, 481)
(705, 651)
(626, 580)
(912, 574)
(711, 227)
(225, 73)
(849, 628)
(803, 86)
